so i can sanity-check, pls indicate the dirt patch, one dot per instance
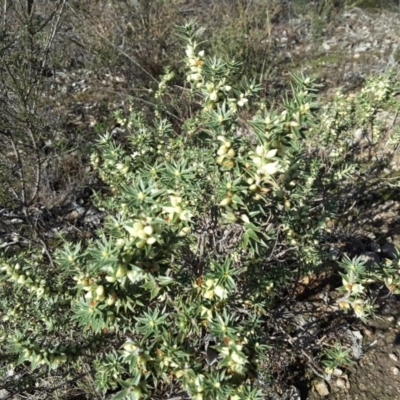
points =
(377, 374)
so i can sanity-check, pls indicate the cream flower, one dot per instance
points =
(214, 96)
(269, 169)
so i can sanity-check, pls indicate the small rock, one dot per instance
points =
(395, 371)
(375, 247)
(369, 330)
(370, 258)
(334, 253)
(357, 334)
(393, 357)
(389, 251)
(337, 372)
(371, 235)
(322, 388)
(361, 49)
(340, 383)
(358, 135)
(326, 46)
(385, 309)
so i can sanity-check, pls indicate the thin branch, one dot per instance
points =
(21, 170)
(53, 32)
(154, 105)
(4, 14)
(42, 242)
(38, 169)
(116, 47)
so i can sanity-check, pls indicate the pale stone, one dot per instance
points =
(340, 383)
(337, 372)
(322, 388)
(4, 394)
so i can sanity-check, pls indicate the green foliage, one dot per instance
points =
(335, 357)
(206, 228)
(388, 273)
(353, 279)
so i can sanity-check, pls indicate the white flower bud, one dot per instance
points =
(148, 230)
(222, 150)
(225, 202)
(151, 240)
(214, 96)
(260, 150)
(100, 290)
(220, 159)
(209, 86)
(258, 161)
(141, 244)
(270, 168)
(120, 242)
(242, 102)
(142, 235)
(253, 187)
(271, 153)
(121, 271)
(189, 51)
(245, 218)
(195, 77)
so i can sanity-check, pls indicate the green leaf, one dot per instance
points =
(252, 235)
(245, 240)
(122, 395)
(165, 280)
(237, 200)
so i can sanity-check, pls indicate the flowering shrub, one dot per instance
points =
(206, 228)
